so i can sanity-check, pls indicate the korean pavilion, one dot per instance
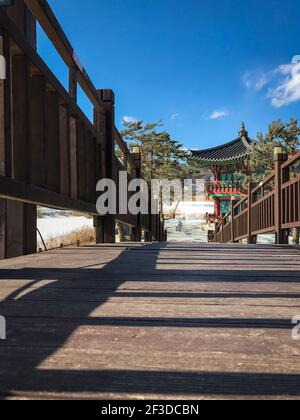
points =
(226, 162)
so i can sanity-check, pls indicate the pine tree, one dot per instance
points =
(261, 159)
(162, 157)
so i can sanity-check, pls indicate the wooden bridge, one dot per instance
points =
(153, 321)
(133, 320)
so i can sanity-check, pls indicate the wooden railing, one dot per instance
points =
(51, 154)
(224, 187)
(271, 207)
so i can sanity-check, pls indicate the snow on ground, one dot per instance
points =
(55, 226)
(191, 209)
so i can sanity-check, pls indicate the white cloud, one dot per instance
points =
(128, 119)
(262, 82)
(218, 114)
(288, 90)
(256, 79)
(247, 79)
(174, 117)
(283, 84)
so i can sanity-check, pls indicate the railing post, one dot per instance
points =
(108, 223)
(73, 78)
(233, 202)
(6, 151)
(222, 229)
(280, 157)
(137, 157)
(251, 239)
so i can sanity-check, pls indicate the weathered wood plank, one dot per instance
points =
(52, 144)
(21, 191)
(30, 226)
(73, 158)
(14, 229)
(151, 322)
(2, 115)
(82, 163)
(20, 82)
(64, 133)
(37, 130)
(2, 228)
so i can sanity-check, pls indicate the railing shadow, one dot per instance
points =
(44, 312)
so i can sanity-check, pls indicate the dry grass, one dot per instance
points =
(84, 235)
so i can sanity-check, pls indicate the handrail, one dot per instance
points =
(265, 197)
(291, 182)
(263, 183)
(46, 18)
(20, 40)
(240, 202)
(289, 162)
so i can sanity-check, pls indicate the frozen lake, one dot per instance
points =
(53, 226)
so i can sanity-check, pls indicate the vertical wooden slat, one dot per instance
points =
(7, 107)
(88, 165)
(280, 233)
(249, 215)
(90, 176)
(14, 229)
(52, 157)
(30, 225)
(17, 13)
(20, 68)
(64, 149)
(73, 83)
(73, 157)
(2, 227)
(81, 159)
(30, 29)
(37, 130)
(2, 115)
(109, 103)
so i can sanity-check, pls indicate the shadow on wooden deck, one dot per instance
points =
(41, 319)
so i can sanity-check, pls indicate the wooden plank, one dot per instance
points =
(81, 159)
(64, 133)
(73, 83)
(16, 13)
(14, 229)
(20, 115)
(8, 106)
(2, 116)
(30, 29)
(20, 191)
(73, 157)
(151, 321)
(2, 228)
(30, 226)
(52, 143)
(108, 98)
(37, 130)
(90, 168)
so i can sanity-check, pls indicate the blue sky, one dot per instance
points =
(203, 66)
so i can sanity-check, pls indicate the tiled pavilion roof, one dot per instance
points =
(231, 152)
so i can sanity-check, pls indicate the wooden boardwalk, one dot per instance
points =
(185, 321)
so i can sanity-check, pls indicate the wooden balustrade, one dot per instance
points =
(51, 154)
(271, 207)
